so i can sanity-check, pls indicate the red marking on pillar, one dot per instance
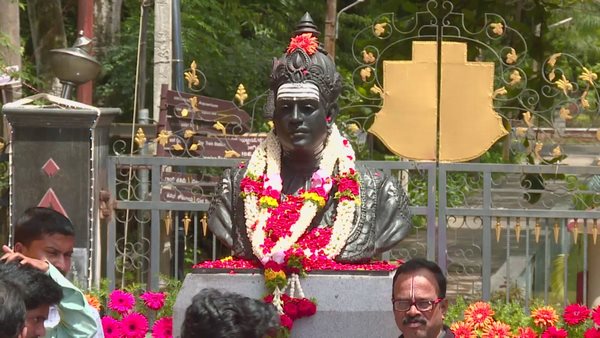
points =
(50, 168)
(51, 201)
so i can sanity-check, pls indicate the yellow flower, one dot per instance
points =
(588, 76)
(565, 113)
(368, 57)
(271, 275)
(497, 28)
(377, 90)
(511, 57)
(515, 77)
(163, 137)
(268, 202)
(499, 91)
(314, 197)
(564, 84)
(379, 28)
(365, 73)
(552, 59)
(584, 101)
(528, 119)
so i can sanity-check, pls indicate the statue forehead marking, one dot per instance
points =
(289, 91)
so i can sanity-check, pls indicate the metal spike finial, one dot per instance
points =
(306, 25)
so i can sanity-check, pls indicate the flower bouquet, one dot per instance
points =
(500, 319)
(131, 316)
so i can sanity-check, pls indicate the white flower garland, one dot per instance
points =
(266, 160)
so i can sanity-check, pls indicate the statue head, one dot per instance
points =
(306, 87)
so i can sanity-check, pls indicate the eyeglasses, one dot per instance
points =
(402, 305)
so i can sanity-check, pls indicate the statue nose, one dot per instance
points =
(296, 114)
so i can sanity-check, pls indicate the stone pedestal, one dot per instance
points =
(349, 304)
(58, 160)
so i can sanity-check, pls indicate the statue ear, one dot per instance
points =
(332, 113)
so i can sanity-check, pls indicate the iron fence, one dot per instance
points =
(496, 228)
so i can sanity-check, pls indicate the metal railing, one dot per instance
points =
(493, 227)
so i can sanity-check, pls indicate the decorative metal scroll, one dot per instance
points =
(535, 99)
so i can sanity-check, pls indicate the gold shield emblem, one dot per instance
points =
(408, 121)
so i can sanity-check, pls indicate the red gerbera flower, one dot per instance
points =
(497, 330)
(544, 316)
(592, 332)
(525, 332)
(306, 42)
(121, 301)
(134, 325)
(575, 314)
(596, 315)
(462, 330)
(479, 315)
(163, 328)
(153, 300)
(111, 327)
(553, 332)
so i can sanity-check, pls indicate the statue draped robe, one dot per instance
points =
(382, 220)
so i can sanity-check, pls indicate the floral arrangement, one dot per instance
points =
(128, 316)
(500, 319)
(277, 225)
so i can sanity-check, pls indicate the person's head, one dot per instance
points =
(12, 311)
(43, 233)
(217, 314)
(39, 292)
(419, 298)
(306, 86)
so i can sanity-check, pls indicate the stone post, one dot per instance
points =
(58, 160)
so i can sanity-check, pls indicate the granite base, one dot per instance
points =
(349, 304)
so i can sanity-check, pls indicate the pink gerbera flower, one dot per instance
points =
(121, 301)
(592, 332)
(525, 332)
(134, 325)
(596, 315)
(163, 328)
(111, 327)
(553, 332)
(575, 314)
(153, 300)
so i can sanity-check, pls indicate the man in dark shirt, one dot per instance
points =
(419, 300)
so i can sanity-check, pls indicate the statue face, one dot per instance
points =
(300, 118)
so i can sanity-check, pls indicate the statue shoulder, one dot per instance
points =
(374, 178)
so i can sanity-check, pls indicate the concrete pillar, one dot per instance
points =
(593, 290)
(162, 51)
(58, 160)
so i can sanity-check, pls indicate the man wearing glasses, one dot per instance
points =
(419, 300)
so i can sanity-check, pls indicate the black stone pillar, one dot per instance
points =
(58, 160)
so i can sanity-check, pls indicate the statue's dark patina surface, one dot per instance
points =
(302, 124)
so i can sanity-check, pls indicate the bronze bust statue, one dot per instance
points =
(301, 190)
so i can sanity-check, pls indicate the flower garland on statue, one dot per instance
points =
(265, 212)
(277, 228)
